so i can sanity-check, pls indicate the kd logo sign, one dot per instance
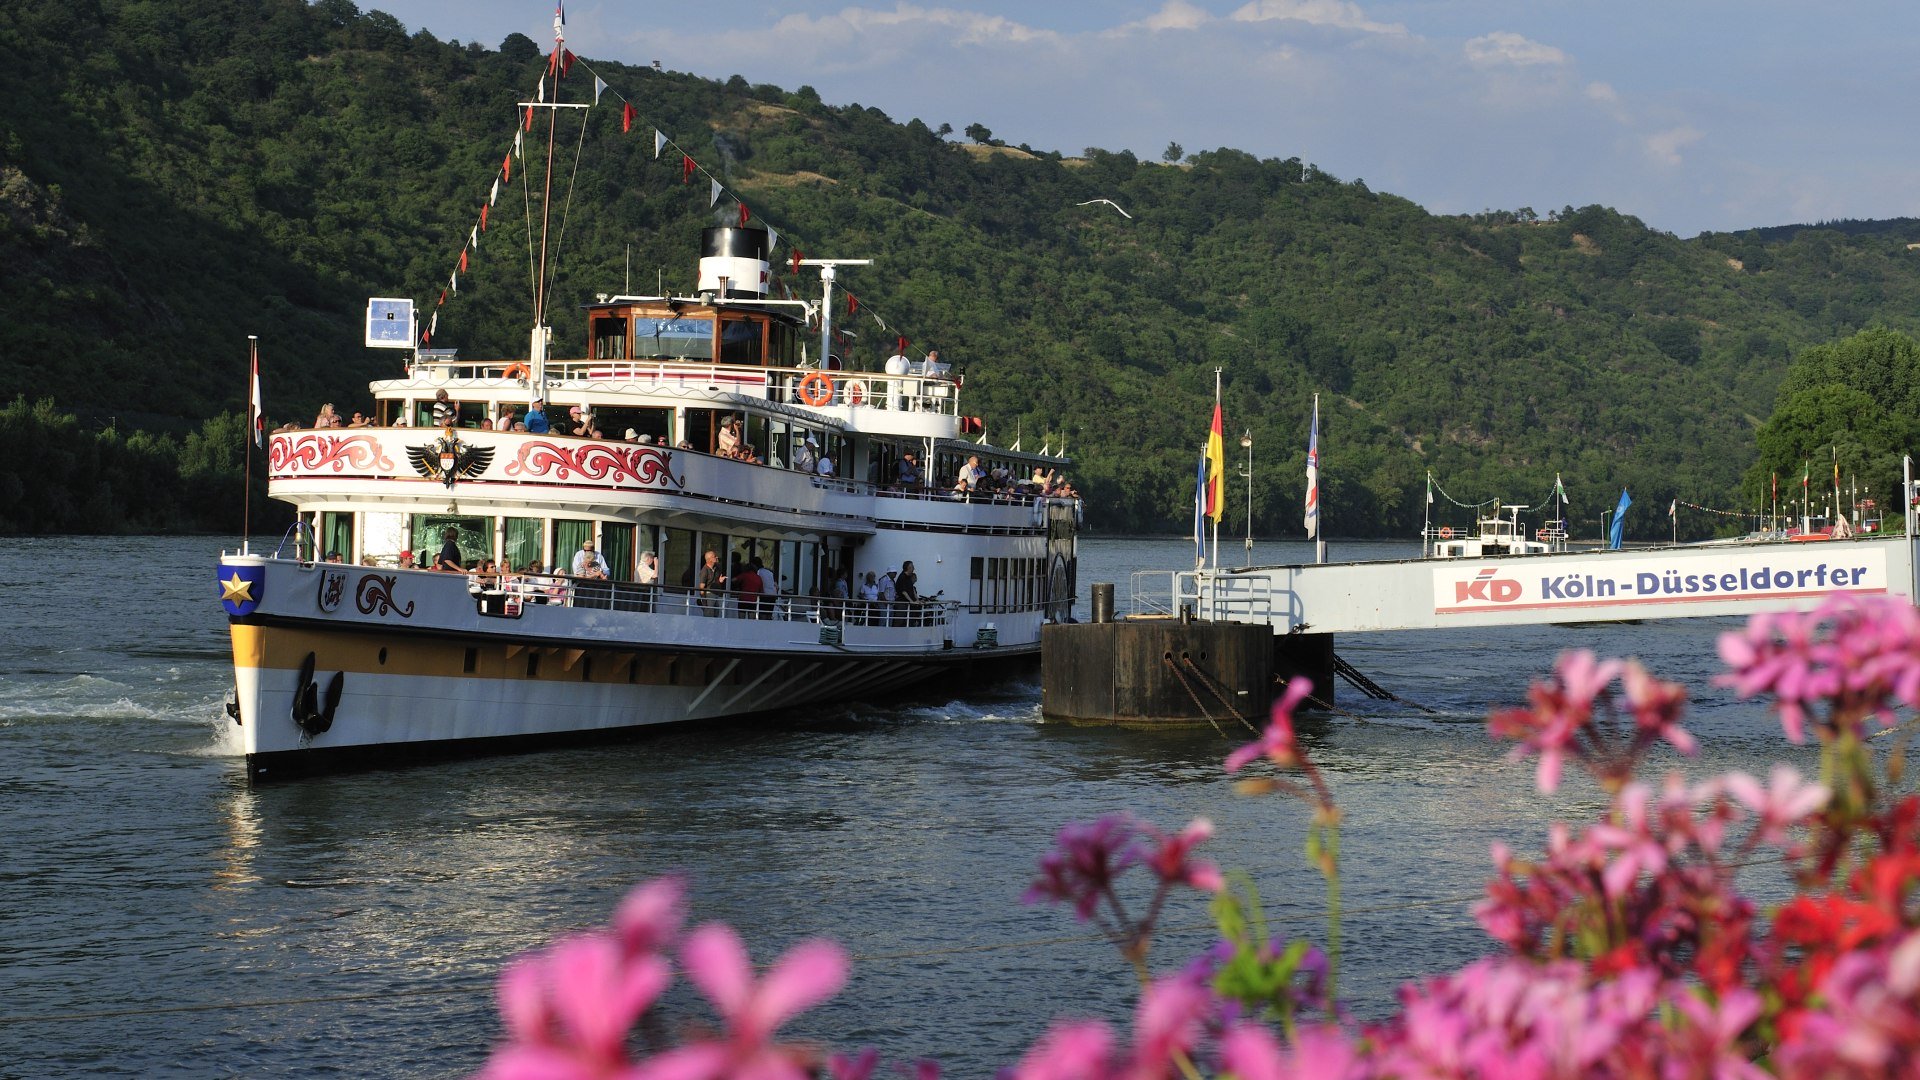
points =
(1486, 587)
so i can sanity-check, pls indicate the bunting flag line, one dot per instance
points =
(853, 302)
(541, 94)
(796, 260)
(659, 140)
(473, 239)
(517, 151)
(686, 169)
(494, 196)
(483, 217)
(453, 283)
(516, 142)
(744, 215)
(433, 323)
(773, 239)
(626, 122)
(443, 298)
(599, 87)
(566, 66)
(463, 261)
(713, 193)
(903, 342)
(506, 163)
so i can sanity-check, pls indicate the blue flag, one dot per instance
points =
(1619, 519)
(1200, 512)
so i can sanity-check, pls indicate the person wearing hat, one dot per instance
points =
(536, 420)
(406, 559)
(808, 455)
(632, 435)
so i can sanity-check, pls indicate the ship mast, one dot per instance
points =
(542, 334)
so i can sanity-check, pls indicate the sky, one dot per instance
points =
(1692, 115)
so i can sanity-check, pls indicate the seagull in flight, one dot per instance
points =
(1109, 202)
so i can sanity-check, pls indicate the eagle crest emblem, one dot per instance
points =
(446, 458)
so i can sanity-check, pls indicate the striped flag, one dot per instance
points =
(1200, 487)
(1313, 473)
(1216, 468)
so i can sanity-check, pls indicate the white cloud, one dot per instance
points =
(1337, 14)
(1602, 93)
(1665, 146)
(1175, 15)
(1503, 47)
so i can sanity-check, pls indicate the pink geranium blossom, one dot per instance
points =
(1086, 858)
(1171, 859)
(1277, 744)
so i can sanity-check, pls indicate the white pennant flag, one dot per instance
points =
(453, 282)
(473, 238)
(599, 87)
(516, 142)
(713, 194)
(659, 142)
(541, 95)
(433, 324)
(495, 196)
(773, 238)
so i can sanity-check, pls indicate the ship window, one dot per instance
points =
(654, 423)
(783, 345)
(567, 538)
(522, 542)
(471, 661)
(336, 535)
(699, 433)
(677, 561)
(474, 535)
(610, 338)
(741, 342)
(616, 544)
(673, 338)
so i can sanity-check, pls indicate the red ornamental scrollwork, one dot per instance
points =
(374, 596)
(313, 453)
(645, 466)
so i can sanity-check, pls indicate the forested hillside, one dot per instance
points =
(177, 175)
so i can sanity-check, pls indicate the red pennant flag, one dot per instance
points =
(553, 61)
(744, 215)
(425, 336)
(529, 118)
(506, 168)
(443, 298)
(463, 260)
(626, 116)
(796, 260)
(483, 217)
(566, 62)
(686, 169)
(902, 350)
(853, 303)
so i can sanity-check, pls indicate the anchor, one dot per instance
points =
(313, 714)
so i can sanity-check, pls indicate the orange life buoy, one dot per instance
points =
(856, 392)
(1540, 535)
(518, 371)
(1446, 532)
(817, 389)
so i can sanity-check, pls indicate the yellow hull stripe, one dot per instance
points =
(357, 653)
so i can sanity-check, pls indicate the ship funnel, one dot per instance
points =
(733, 262)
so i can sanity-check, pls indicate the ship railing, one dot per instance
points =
(917, 390)
(1152, 593)
(1213, 595)
(634, 597)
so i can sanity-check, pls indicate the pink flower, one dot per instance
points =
(1657, 705)
(1069, 1052)
(1780, 806)
(568, 1011)
(1278, 744)
(860, 1067)
(1166, 1023)
(1171, 859)
(717, 962)
(1086, 858)
(650, 917)
(1559, 711)
(1319, 1052)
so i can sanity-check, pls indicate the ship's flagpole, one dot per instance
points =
(1215, 468)
(256, 424)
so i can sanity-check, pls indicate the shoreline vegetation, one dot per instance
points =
(191, 174)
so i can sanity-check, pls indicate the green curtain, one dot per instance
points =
(336, 535)
(567, 538)
(475, 535)
(521, 544)
(616, 543)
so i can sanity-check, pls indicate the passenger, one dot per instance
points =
(963, 490)
(747, 585)
(808, 457)
(504, 421)
(632, 436)
(406, 559)
(769, 588)
(588, 562)
(334, 556)
(536, 418)
(444, 413)
(824, 466)
(360, 420)
(909, 472)
(449, 560)
(327, 417)
(728, 439)
(712, 585)
(907, 585)
(869, 600)
(648, 578)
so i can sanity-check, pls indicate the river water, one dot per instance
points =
(162, 917)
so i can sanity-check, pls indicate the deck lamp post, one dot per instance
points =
(1246, 443)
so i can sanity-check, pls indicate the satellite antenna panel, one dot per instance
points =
(389, 323)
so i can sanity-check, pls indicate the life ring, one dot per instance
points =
(517, 371)
(1446, 532)
(856, 392)
(1540, 535)
(817, 389)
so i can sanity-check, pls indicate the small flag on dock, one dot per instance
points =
(1216, 468)
(255, 406)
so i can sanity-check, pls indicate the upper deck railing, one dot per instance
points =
(918, 390)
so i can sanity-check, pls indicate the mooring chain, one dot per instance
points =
(1218, 691)
(1197, 703)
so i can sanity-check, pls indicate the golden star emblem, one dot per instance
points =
(238, 589)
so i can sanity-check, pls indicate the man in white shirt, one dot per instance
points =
(588, 562)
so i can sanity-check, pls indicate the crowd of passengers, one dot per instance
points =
(971, 483)
(747, 585)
